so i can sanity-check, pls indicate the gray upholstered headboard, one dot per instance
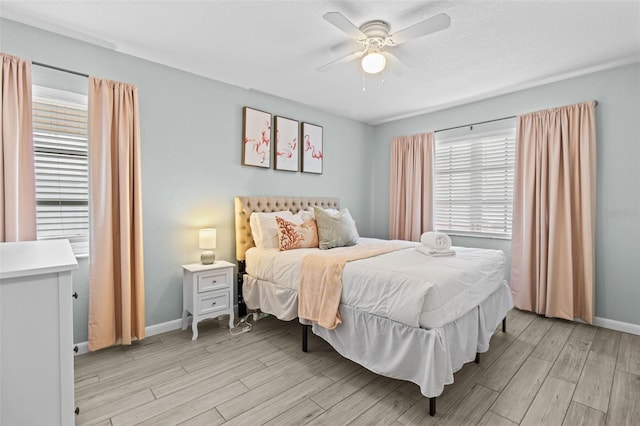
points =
(244, 206)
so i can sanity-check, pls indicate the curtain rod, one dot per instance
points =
(475, 124)
(482, 122)
(59, 69)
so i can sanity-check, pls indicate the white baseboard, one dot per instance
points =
(163, 327)
(617, 325)
(150, 330)
(83, 348)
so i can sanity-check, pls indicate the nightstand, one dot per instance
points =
(207, 291)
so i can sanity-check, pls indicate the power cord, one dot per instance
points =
(244, 325)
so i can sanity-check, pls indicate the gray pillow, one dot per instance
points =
(335, 230)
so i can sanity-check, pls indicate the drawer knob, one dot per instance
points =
(214, 303)
(214, 281)
(75, 295)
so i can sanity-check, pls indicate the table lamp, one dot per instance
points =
(207, 241)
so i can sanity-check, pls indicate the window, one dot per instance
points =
(474, 184)
(61, 164)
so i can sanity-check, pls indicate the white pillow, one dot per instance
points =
(264, 229)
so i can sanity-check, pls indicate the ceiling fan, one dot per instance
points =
(375, 39)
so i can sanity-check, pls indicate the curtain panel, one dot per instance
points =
(116, 268)
(411, 191)
(17, 167)
(553, 259)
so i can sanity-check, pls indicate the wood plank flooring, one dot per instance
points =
(541, 372)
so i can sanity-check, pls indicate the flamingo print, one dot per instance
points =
(289, 150)
(261, 147)
(309, 147)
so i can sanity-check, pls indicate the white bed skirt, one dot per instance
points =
(281, 302)
(427, 358)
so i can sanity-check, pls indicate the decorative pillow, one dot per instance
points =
(264, 229)
(337, 230)
(345, 211)
(295, 236)
(334, 212)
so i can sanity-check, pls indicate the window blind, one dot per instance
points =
(473, 190)
(61, 166)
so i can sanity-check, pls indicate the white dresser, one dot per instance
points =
(36, 333)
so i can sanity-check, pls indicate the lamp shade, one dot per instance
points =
(207, 238)
(373, 62)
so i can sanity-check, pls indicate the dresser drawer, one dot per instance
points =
(215, 280)
(213, 303)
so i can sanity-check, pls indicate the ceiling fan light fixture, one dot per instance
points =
(373, 62)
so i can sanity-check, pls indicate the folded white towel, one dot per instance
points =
(436, 240)
(434, 252)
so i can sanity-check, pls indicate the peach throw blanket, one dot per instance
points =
(321, 280)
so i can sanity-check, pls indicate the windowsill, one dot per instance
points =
(484, 237)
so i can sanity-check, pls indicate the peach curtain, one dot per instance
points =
(552, 247)
(116, 268)
(17, 168)
(411, 192)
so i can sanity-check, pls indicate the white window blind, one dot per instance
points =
(61, 164)
(474, 184)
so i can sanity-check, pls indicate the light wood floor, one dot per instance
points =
(541, 372)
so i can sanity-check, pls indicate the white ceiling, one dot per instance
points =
(492, 47)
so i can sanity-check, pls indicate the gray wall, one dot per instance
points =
(617, 293)
(191, 153)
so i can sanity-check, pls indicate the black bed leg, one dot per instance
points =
(504, 325)
(305, 333)
(477, 357)
(242, 307)
(432, 406)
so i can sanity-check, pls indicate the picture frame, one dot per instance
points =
(256, 138)
(311, 148)
(287, 146)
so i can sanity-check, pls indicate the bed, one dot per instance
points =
(430, 330)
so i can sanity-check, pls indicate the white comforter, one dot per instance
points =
(404, 286)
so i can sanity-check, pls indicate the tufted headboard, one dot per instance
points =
(244, 206)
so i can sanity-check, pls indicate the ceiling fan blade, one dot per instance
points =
(403, 54)
(345, 47)
(327, 67)
(436, 23)
(338, 20)
(397, 66)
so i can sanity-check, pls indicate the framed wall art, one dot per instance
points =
(287, 150)
(256, 138)
(311, 148)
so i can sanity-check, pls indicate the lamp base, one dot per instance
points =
(207, 257)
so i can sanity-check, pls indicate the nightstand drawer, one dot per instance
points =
(213, 303)
(214, 280)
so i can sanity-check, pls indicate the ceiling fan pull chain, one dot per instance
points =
(364, 89)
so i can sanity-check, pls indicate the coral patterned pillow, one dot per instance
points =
(294, 236)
